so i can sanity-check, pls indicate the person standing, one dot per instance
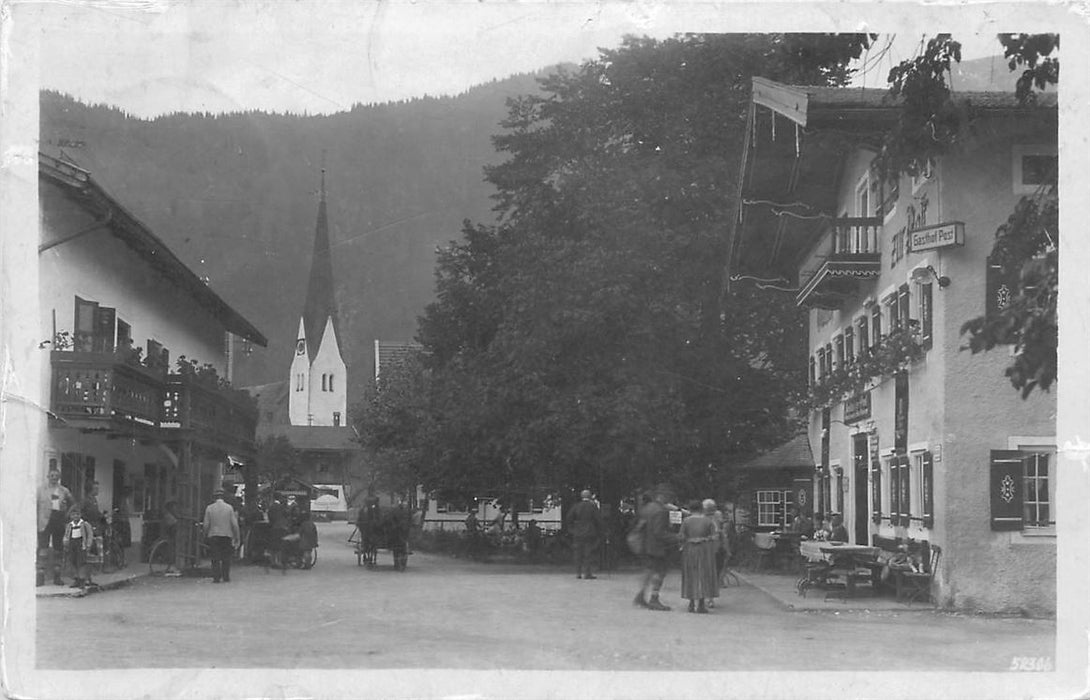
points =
(585, 524)
(54, 500)
(91, 511)
(221, 529)
(657, 540)
(699, 542)
(78, 537)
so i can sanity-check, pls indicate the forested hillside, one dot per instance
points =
(235, 196)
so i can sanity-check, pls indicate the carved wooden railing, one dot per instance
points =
(217, 414)
(103, 386)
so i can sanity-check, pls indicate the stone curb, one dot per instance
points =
(78, 593)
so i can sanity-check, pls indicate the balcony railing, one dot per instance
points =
(101, 387)
(215, 413)
(854, 255)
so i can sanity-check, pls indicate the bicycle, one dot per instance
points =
(111, 555)
(162, 555)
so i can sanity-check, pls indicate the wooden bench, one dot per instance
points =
(917, 549)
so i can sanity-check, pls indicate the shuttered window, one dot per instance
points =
(864, 342)
(925, 315)
(1005, 486)
(903, 312)
(876, 325)
(876, 493)
(927, 483)
(849, 345)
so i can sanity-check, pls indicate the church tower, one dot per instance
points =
(318, 386)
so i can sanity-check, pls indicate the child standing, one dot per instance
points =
(78, 537)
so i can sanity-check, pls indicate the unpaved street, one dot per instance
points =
(447, 613)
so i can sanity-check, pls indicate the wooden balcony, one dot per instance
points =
(222, 417)
(853, 256)
(99, 390)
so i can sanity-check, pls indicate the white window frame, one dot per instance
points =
(1018, 152)
(783, 498)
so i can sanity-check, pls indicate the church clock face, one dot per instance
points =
(300, 346)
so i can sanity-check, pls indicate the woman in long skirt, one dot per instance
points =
(699, 540)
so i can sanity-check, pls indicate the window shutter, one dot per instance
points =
(999, 287)
(864, 342)
(906, 491)
(83, 332)
(829, 357)
(876, 494)
(927, 482)
(902, 306)
(925, 315)
(849, 345)
(876, 325)
(1005, 485)
(104, 328)
(894, 491)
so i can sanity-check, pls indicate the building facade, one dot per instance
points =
(137, 359)
(914, 436)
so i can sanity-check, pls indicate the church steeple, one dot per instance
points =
(320, 304)
(318, 373)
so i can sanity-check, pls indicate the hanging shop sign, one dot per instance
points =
(937, 236)
(857, 407)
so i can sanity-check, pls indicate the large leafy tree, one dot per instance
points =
(934, 122)
(585, 338)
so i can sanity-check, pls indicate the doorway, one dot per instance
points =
(859, 478)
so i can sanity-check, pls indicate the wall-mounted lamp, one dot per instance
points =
(923, 274)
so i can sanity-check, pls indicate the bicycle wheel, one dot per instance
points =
(159, 559)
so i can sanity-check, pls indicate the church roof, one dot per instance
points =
(320, 304)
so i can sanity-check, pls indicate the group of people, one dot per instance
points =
(829, 528)
(67, 529)
(704, 544)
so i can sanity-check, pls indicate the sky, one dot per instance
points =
(152, 57)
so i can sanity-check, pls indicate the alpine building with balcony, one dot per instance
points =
(914, 439)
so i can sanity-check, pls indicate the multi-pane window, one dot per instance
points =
(849, 345)
(772, 507)
(829, 357)
(876, 325)
(893, 311)
(824, 374)
(1022, 494)
(838, 344)
(813, 371)
(864, 342)
(1035, 505)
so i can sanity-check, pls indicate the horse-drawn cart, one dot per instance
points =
(383, 528)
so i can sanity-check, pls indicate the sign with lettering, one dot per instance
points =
(857, 407)
(937, 236)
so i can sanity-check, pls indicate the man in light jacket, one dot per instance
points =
(221, 529)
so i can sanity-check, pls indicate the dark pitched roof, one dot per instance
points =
(320, 304)
(315, 437)
(794, 453)
(82, 188)
(390, 353)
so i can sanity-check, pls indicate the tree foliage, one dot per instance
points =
(276, 458)
(932, 123)
(584, 338)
